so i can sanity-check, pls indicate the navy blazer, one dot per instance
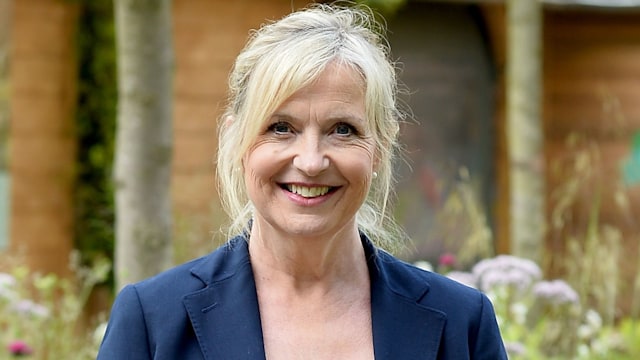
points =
(208, 309)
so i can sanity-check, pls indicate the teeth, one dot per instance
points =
(308, 192)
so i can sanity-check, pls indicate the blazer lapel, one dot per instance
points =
(404, 330)
(226, 318)
(225, 314)
(402, 327)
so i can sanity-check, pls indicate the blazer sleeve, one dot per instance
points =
(488, 343)
(126, 334)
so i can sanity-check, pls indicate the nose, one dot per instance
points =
(309, 156)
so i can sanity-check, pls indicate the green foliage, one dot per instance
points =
(385, 7)
(593, 250)
(535, 321)
(42, 315)
(627, 336)
(95, 124)
(538, 319)
(462, 224)
(547, 319)
(592, 246)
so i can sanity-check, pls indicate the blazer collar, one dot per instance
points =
(403, 328)
(226, 318)
(225, 314)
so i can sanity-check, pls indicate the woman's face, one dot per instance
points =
(310, 168)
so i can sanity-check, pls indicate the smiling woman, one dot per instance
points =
(305, 157)
(270, 70)
(315, 158)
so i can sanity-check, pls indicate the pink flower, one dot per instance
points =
(447, 260)
(19, 348)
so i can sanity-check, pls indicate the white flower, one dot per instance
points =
(7, 285)
(506, 270)
(557, 292)
(592, 324)
(99, 332)
(7, 281)
(593, 319)
(519, 311)
(29, 308)
(515, 348)
(583, 351)
(585, 331)
(424, 265)
(463, 277)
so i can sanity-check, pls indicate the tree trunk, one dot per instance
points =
(143, 139)
(524, 128)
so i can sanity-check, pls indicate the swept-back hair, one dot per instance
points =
(281, 58)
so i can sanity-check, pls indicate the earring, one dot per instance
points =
(374, 175)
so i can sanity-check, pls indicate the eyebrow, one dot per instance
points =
(334, 118)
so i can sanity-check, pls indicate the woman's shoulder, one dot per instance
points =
(172, 283)
(439, 289)
(194, 274)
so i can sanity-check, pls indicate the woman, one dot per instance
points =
(304, 165)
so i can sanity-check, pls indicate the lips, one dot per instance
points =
(308, 191)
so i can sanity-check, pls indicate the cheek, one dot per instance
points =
(367, 154)
(256, 181)
(357, 163)
(253, 171)
(259, 164)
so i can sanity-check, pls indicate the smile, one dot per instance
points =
(308, 192)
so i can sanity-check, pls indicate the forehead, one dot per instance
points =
(340, 74)
(339, 90)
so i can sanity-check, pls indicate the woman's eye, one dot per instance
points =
(344, 129)
(280, 128)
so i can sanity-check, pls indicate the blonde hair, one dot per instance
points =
(281, 58)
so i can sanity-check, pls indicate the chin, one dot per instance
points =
(313, 229)
(307, 230)
(298, 226)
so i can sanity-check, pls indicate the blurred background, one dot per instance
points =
(523, 139)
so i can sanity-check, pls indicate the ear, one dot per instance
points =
(228, 120)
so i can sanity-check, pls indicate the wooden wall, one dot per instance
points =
(42, 147)
(591, 111)
(208, 35)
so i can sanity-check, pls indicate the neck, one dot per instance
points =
(307, 262)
